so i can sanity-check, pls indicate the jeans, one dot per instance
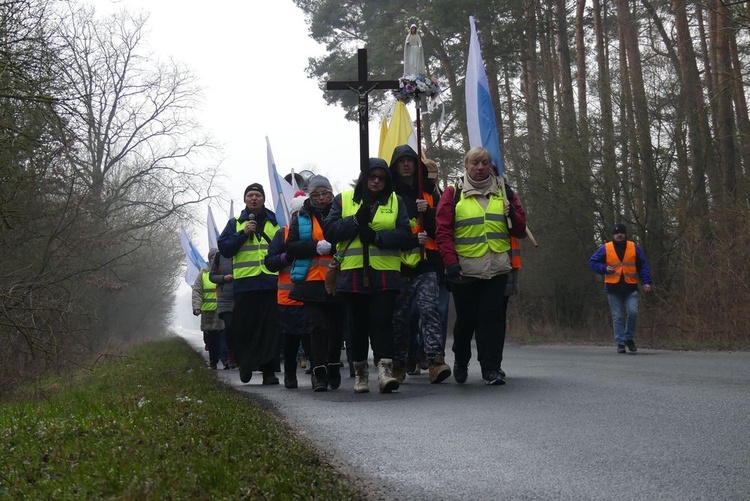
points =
(624, 311)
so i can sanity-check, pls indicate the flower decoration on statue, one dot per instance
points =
(411, 87)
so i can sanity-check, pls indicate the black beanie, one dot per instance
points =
(255, 187)
(619, 228)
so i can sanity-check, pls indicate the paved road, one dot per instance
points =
(572, 423)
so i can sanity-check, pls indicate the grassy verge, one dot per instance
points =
(155, 425)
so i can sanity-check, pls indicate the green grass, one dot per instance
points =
(155, 425)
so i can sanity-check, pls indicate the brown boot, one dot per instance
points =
(439, 370)
(399, 371)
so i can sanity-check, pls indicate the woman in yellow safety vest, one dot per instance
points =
(370, 226)
(475, 220)
(204, 301)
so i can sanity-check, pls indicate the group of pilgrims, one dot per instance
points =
(369, 268)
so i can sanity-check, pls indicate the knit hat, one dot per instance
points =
(318, 182)
(297, 202)
(255, 187)
(619, 228)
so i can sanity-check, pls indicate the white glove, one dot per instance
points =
(323, 247)
(422, 237)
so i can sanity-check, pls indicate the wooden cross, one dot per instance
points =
(362, 86)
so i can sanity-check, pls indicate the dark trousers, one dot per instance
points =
(291, 349)
(371, 320)
(228, 318)
(213, 343)
(255, 330)
(326, 321)
(480, 311)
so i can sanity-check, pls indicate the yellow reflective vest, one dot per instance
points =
(384, 219)
(249, 261)
(478, 230)
(209, 293)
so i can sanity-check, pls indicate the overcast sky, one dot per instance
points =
(250, 57)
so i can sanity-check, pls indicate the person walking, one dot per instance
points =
(312, 255)
(622, 262)
(419, 268)
(293, 325)
(369, 226)
(246, 239)
(474, 223)
(204, 301)
(220, 273)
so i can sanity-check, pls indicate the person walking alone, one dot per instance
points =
(622, 262)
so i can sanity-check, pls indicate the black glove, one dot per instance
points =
(511, 212)
(366, 234)
(363, 215)
(453, 272)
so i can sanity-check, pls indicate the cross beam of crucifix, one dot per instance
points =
(362, 86)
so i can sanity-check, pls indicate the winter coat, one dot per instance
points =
(489, 265)
(220, 267)
(210, 320)
(231, 241)
(598, 263)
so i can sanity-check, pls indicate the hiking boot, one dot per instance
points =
(290, 380)
(334, 375)
(269, 378)
(493, 378)
(319, 378)
(439, 370)
(386, 382)
(362, 375)
(620, 348)
(631, 345)
(399, 371)
(460, 372)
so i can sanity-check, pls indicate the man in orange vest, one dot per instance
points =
(622, 262)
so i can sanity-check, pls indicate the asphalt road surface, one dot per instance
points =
(572, 422)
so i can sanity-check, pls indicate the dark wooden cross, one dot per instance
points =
(362, 86)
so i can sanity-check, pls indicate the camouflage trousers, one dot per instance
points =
(423, 290)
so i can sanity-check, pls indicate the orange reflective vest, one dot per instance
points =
(285, 282)
(625, 268)
(515, 253)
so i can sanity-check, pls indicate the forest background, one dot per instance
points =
(632, 111)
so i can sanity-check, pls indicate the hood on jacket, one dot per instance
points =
(405, 150)
(361, 187)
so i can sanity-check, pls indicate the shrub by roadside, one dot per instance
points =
(156, 425)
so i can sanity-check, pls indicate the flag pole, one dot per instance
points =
(420, 176)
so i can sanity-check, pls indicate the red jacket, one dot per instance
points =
(444, 220)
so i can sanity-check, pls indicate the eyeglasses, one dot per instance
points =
(376, 177)
(321, 194)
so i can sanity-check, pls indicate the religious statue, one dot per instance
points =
(413, 54)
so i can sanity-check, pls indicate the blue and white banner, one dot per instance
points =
(281, 191)
(195, 262)
(213, 231)
(480, 117)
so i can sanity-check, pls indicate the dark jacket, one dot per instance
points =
(341, 231)
(230, 241)
(220, 267)
(410, 193)
(303, 249)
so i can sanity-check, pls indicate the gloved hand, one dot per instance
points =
(422, 237)
(363, 215)
(366, 234)
(323, 247)
(453, 272)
